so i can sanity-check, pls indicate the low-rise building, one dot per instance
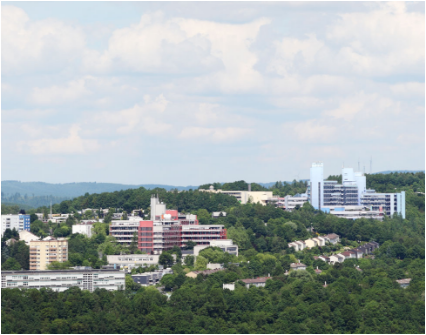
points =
(216, 215)
(150, 278)
(194, 274)
(258, 282)
(62, 280)
(42, 253)
(25, 235)
(404, 282)
(297, 266)
(133, 260)
(226, 246)
(83, 228)
(332, 238)
(244, 197)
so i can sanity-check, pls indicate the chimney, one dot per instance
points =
(269, 275)
(249, 187)
(317, 267)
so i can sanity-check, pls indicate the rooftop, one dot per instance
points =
(256, 280)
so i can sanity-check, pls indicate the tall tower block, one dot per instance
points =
(316, 184)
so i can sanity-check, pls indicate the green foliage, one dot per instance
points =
(59, 265)
(201, 263)
(166, 259)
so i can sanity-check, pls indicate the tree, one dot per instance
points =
(203, 216)
(134, 243)
(11, 264)
(60, 265)
(201, 263)
(189, 245)
(33, 217)
(166, 259)
(189, 260)
(124, 217)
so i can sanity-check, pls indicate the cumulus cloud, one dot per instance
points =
(144, 117)
(53, 95)
(37, 46)
(73, 144)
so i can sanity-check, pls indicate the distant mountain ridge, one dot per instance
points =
(10, 187)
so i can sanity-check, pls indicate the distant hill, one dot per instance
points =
(36, 194)
(399, 171)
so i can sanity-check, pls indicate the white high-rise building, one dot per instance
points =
(316, 184)
(327, 195)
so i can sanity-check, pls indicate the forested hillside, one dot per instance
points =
(363, 300)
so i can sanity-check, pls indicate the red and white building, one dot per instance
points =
(166, 229)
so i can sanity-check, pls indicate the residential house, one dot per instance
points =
(404, 282)
(341, 258)
(349, 254)
(311, 243)
(194, 274)
(332, 238)
(317, 271)
(297, 266)
(358, 252)
(258, 282)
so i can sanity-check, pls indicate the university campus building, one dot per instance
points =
(166, 229)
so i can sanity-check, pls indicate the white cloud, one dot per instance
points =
(73, 144)
(214, 134)
(141, 117)
(53, 95)
(36, 46)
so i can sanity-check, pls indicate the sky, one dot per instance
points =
(187, 93)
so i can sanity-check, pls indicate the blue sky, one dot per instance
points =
(197, 92)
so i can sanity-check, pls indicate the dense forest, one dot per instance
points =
(354, 301)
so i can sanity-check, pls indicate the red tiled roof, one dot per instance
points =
(294, 265)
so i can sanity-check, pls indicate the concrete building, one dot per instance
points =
(388, 203)
(42, 253)
(83, 228)
(150, 278)
(290, 202)
(17, 221)
(316, 185)
(166, 229)
(331, 197)
(243, 197)
(62, 280)
(133, 260)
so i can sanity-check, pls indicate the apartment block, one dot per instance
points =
(42, 253)
(18, 221)
(133, 260)
(62, 280)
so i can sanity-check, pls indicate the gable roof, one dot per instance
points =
(404, 281)
(331, 236)
(296, 265)
(256, 280)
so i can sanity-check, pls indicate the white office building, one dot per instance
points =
(62, 280)
(133, 260)
(351, 199)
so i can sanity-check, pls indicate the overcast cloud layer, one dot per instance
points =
(190, 93)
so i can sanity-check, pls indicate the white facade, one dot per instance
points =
(316, 184)
(133, 261)
(84, 229)
(61, 280)
(290, 202)
(225, 245)
(10, 221)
